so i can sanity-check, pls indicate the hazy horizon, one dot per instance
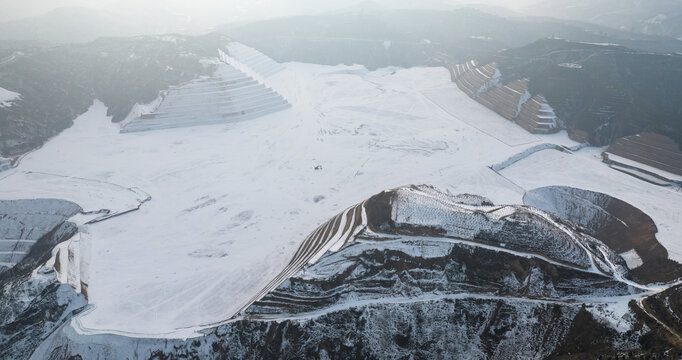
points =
(210, 13)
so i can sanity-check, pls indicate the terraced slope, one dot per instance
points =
(417, 271)
(506, 100)
(422, 215)
(537, 116)
(649, 149)
(330, 236)
(24, 222)
(512, 101)
(382, 267)
(254, 59)
(228, 95)
(601, 92)
(457, 70)
(59, 83)
(478, 80)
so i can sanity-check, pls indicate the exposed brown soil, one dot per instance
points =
(628, 228)
(578, 135)
(503, 100)
(528, 117)
(471, 81)
(651, 149)
(639, 234)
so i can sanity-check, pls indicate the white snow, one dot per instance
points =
(253, 59)
(229, 95)
(571, 65)
(94, 196)
(8, 97)
(632, 259)
(615, 311)
(642, 175)
(584, 169)
(460, 106)
(231, 203)
(663, 173)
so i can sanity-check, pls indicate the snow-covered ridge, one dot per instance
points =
(329, 237)
(407, 255)
(426, 214)
(413, 207)
(580, 170)
(513, 227)
(8, 97)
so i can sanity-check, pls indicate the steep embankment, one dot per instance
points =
(33, 303)
(513, 101)
(414, 271)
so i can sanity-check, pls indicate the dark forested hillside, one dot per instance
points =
(418, 37)
(59, 83)
(602, 92)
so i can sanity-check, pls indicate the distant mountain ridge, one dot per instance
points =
(465, 33)
(80, 24)
(656, 17)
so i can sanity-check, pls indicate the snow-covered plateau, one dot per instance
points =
(189, 225)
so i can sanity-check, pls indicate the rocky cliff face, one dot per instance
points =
(32, 303)
(429, 275)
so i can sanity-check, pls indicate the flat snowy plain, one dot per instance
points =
(231, 203)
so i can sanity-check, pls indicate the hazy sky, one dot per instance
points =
(212, 12)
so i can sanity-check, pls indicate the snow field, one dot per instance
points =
(232, 203)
